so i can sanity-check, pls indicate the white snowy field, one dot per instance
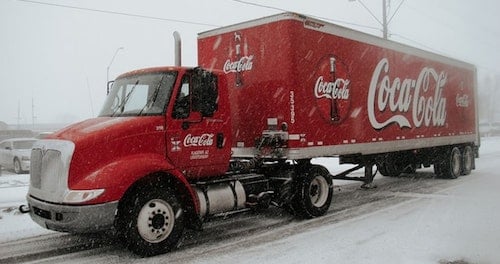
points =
(461, 222)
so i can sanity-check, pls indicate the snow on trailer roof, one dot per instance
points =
(330, 28)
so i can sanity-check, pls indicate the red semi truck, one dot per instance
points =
(174, 146)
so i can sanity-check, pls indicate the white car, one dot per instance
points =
(15, 154)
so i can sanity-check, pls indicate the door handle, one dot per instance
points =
(220, 140)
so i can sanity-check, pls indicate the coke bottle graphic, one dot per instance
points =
(334, 112)
(237, 40)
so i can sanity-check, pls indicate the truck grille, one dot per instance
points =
(46, 168)
(49, 170)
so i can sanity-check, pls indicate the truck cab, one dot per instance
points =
(168, 123)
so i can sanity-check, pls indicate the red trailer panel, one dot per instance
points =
(337, 90)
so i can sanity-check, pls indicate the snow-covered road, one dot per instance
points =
(414, 219)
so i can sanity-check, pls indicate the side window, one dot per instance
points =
(182, 106)
(205, 93)
(198, 93)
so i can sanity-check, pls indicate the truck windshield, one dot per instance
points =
(141, 94)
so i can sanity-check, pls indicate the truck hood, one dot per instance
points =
(108, 129)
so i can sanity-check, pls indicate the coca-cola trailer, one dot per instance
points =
(174, 146)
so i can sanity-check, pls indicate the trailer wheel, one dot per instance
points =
(389, 169)
(451, 164)
(152, 221)
(467, 160)
(313, 193)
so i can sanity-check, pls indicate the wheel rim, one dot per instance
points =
(155, 221)
(318, 191)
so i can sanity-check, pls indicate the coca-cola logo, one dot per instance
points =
(243, 64)
(203, 140)
(339, 89)
(423, 97)
(240, 59)
(332, 89)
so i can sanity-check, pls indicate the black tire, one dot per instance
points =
(151, 222)
(313, 193)
(467, 160)
(450, 166)
(389, 169)
(381, 167)
(17, 166)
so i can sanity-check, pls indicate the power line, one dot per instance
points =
(119, 13)
(318, 17)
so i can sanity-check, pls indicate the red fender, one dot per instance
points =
(129, 169)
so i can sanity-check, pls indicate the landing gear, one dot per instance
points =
(368, 179)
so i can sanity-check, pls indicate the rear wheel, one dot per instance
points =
(313, 193)
(450, 166)
(152, 221)
(467, 160)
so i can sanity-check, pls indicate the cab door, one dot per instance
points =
(198, 130)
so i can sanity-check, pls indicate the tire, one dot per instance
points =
(389, 169)
(382, 168)
(151, 222)
(313, 193)
(450, 166)
(467, 160)
(17, 166)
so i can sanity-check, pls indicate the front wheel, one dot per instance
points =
(313, 193)
(152, 221)
(17, 166)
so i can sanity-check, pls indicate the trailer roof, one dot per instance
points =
(330, 28)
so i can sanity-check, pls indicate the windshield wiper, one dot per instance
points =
(122, 105)
(155, 95)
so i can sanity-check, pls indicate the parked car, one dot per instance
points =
(15, 154)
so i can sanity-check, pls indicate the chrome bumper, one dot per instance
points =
(73, 218)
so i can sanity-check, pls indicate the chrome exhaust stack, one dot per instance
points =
(177, 49)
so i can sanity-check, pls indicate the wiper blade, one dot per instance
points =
(155, 95)
(122, 104)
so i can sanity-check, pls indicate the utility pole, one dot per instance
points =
(384, 18)
(385, 21)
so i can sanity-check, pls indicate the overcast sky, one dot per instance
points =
(54, 54)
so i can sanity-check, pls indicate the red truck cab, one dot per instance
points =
(160, 121)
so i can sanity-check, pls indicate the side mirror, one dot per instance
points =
(109, 86)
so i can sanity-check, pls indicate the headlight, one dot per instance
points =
(25, 158)
(81, 196)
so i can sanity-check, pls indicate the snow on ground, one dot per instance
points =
(13, 224)
(460, 223)
(457, 223)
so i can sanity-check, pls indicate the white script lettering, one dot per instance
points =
(199, 141)
(333, 90)
(423, 96)
(243, 64)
